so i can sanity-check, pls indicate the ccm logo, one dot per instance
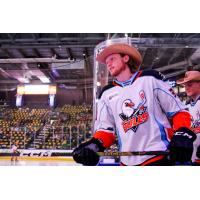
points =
(40, 154)
(183, 134)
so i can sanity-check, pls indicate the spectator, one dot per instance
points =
(191, 82)
(14, 151)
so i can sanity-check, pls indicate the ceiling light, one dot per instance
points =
(98, 84)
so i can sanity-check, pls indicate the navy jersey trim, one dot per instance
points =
(107, 87)
(154, 73)
(192, 102)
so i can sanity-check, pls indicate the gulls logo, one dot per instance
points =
(132, 115)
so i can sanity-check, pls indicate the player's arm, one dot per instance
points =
(103, 137)
(181, 145)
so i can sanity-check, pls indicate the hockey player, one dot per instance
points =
(191, 82)
(14, 151)
(138, 108)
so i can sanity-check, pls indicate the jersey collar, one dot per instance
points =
(128, 82)
(194, 102)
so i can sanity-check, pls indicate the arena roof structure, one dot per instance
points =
(67, 58)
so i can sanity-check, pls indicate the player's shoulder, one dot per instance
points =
(153, 73)
(105, 88)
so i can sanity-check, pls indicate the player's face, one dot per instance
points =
(192, 88)
(115, 64)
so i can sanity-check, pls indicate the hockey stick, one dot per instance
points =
(133, 153)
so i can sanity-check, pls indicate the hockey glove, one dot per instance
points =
(86, 154)
(181, 146)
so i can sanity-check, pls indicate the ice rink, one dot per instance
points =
(7, 162)
(47, 162)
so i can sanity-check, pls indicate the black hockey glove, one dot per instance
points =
(181, 146)
(86, 154)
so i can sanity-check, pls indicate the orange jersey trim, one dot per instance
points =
(151, 160)
(106, 137)
(181, 119)
(115, 84)
(170, 133)
(197, 161)
(138, 75)
(197, 129)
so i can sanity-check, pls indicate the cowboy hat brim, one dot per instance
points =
(191, 76)
(120, 48)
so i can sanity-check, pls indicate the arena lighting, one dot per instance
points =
(98, 83)
(20, 90)
(55, 72)
(52, 89)
(36, 89)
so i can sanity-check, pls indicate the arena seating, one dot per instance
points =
(45, 128)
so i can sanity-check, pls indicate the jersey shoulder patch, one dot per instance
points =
(154, 73)
(107, 87)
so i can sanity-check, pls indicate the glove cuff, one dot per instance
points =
(186, 132)
(99, 144)
(93, 144)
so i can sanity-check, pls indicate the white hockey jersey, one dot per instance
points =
(137, 111)
(194, 109)
(14, 148)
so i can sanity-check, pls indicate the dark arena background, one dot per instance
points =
(49, 84)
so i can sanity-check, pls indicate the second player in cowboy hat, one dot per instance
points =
(191, 82)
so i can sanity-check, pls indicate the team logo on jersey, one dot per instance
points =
(132, 115)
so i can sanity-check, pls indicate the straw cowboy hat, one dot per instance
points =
(189, 76)
(120, 48)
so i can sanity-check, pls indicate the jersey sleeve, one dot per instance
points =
(104, 124)
(166, 97)
(171, 105)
